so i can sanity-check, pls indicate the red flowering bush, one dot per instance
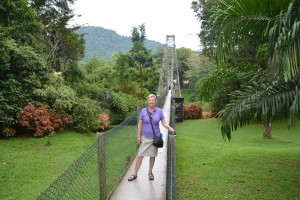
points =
(192, 111)
(103, 122)
(59, 120)
(41, 120)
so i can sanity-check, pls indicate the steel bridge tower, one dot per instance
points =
(169, 77)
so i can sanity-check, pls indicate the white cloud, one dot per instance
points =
(161, 18)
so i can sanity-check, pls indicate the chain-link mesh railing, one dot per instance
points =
(171, 179)
(97, 172)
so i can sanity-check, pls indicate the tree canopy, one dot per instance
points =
(270, 32)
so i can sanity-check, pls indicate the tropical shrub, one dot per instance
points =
(192, 111)
(8, 132)
(115, 104)
(41, 120)
(85, 115)
(59, 120)
(37, 119)
(56, 94)
(21, 72)
(103, 122)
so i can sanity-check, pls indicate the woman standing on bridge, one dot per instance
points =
(145, 134)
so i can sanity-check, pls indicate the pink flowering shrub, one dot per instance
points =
(103, 122)
(41, 120)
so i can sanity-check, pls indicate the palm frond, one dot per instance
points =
(240, 20)
(209, 84)
(259, 76)
(261, 102)
(284, 40)
(218, 76)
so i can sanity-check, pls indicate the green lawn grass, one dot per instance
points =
(247, 167)
(28, 165)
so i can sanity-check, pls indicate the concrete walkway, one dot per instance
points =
(142, 187)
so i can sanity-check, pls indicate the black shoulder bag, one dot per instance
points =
(157, 141)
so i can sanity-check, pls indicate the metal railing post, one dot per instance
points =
(101, 166)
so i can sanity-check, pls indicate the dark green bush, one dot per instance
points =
(85, 115)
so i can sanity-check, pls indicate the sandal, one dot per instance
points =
(132, 177)
(151, 177)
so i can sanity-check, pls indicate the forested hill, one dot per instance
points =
(103, 42)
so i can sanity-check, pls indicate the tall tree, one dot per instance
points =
(140, 55)
(123, 73)
(183, 56)
(63, 47)
(207, 35)
(23, 68)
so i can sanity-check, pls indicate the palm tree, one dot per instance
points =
(275, 27)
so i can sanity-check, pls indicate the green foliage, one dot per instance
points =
(20, 21)
(199, 66)
(87, 89)
(124, 72)
(221, 82)
(284, 41)
(256, 24)
(22, 71)
(38, 58)
(120, 105)
(262, 102)
(183, 56)
(98, 71)
(115, 104)
(85, 115)
(57, 95)
(131, 102)
(74, 74)
(209, 85)
(88, 77)
(208, 36)
(192, 111)
(61, 45)
(59, 98)
(222, 95)
(140, 55)
(150, 82)
(12, 100)
(270, 31)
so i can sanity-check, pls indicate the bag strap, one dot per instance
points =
(151, 122)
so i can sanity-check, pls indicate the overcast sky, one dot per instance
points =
(161, 18)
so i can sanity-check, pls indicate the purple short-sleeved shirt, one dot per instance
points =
(157, 116)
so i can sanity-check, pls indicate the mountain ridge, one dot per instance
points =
(102, 42)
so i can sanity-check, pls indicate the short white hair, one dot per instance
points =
(151, 95)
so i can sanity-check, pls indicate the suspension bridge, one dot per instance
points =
(101, 172)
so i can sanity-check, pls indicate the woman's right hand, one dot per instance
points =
(138, 140)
